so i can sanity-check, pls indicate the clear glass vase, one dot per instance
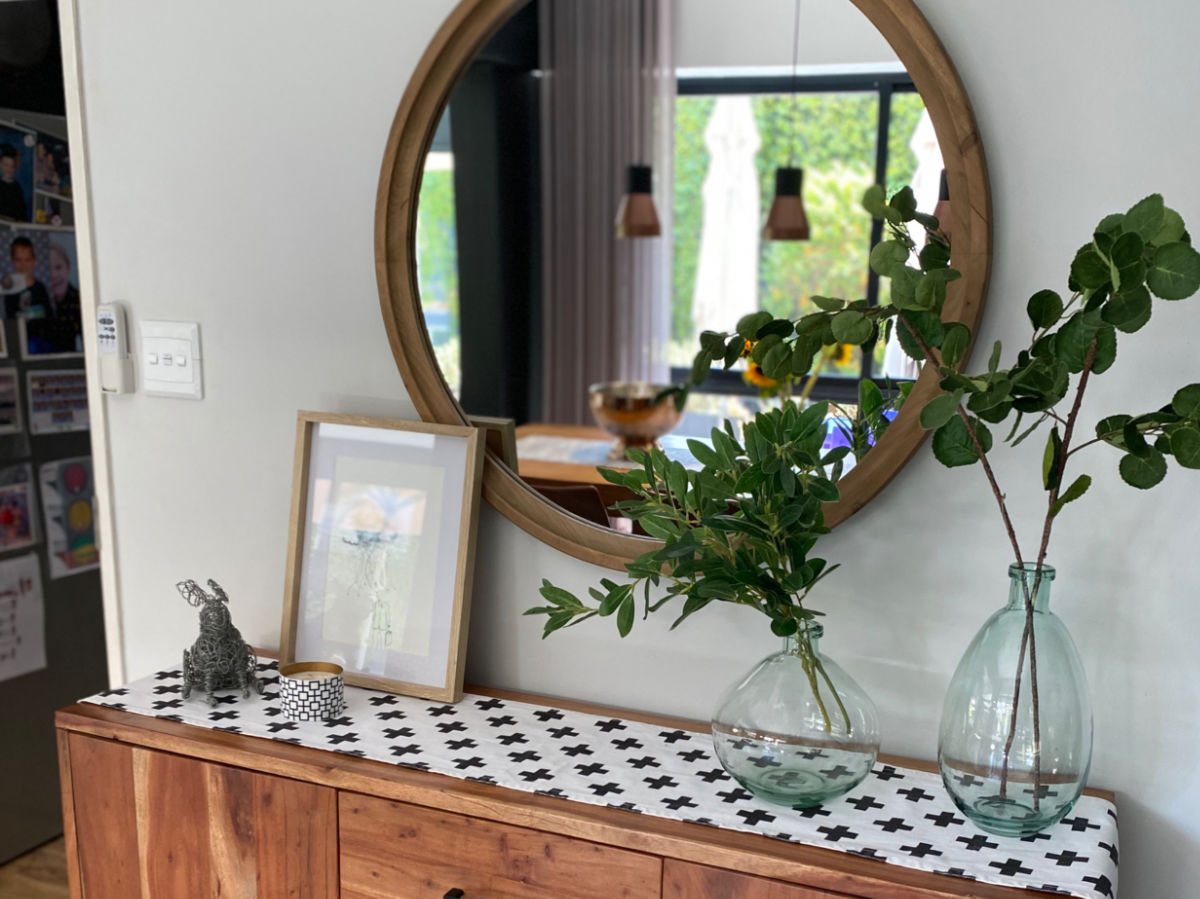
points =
(797, 730)
(1010, 771)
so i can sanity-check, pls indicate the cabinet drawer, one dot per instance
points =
(683, 880)
(391, 849)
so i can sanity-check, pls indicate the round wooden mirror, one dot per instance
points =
(469, 29)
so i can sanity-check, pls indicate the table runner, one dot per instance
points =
(897, 815)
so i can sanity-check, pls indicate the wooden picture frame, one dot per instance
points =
(381, 550)
(500, 436)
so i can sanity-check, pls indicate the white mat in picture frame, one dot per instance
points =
(381, 551)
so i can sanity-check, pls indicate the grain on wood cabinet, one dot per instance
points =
(153, 824)
(395, 849)
(683, 880)
(106, 829)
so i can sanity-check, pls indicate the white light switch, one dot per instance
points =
(173, 344)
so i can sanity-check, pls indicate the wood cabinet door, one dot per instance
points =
(150, 824)
(395, 849)
(683, 880)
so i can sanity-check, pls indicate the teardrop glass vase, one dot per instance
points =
(1014, 761)
(797, 730)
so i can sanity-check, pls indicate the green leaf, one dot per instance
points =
(955, 340)
(852, 327)
(704, 453)
(777, 363)
(940, 410)
(1088, 270)
(1127, 267)
(558, 596)
(905, 203)
(934, 256)
(931, 293)
(952, 444)
(1143, 472)
(888, 256)
(994, 359)
(1129, 310)
(1073, 341)
(764, 346)
(1077, 489)
(1112, 429)
(784, 627)
(734, 350)
(613, 600)
(874, 200)
(1145, 218)
(700, 366)
(1106, 350)
(625, 616)
(748, 325)
(1185, 446)
(1172, 228)
(1175, 272)
(828, 304)
(927, 324)
(1044, 308)
(1050, 460)
(1186, 402)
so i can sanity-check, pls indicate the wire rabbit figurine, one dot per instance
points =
(220, 658)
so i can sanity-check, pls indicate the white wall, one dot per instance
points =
(234, 155)
(760, 33)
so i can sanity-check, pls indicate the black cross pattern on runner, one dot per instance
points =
(1066, 858)
(395, 733)
(556, 792)
(765, 761)
(221, 716)
(1010, 867)
(464, 743)
(837, 772)
(407, 749)
(1111, 850)
(868, 853)
(887, 772)
(692, 755)
(229, 729)
(527, 756)
(626, 806)
(390, 715)
(920, 850)
(833, 834)
(502, 721)
(1043, 791)
(945, 819)
(1080, 824)
(811, 811)
(276, 726)
(357, 753)
(968, 780)
(915, 794)
(977, 841)
(545, 715)
(660, 783)
(864, 803)
(646, 761)
(559, 732)
(735, 795)
(606, 788)
(382, 699)
(712, 775)
(509, 739)
(486, 705)
(161, 704)
(450, 727)
(755, 815)
(679, 802)
(436, 711)
(335, 739)
(534, 776)
(592, 768)
(891, 825)
(810, 754)
(338, 722)
(628, 743)
(674, 736)
(1034, 837)
(482, 779)
(167, 688)
(167, 675)
(610, 725)
(473, 762)
(958, 872)
(577, 749)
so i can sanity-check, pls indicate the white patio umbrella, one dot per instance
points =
(727, 267)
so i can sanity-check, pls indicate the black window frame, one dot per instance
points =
(884, 85)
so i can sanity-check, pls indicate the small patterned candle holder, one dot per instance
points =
(311, 691)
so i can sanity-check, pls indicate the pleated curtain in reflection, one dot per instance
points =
(608, 101)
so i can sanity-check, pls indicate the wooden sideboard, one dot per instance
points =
(157, 809)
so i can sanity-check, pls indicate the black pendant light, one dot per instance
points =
(636, 214)
(787, 219)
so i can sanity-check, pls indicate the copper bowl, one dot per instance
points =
(632, 412)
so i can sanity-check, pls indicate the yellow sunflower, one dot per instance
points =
(754, 375)
(839, 353)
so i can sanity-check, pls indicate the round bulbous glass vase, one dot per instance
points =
(797, 730)
(1012, 765)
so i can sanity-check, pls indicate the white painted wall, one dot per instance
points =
(760, 33)
(234, 154)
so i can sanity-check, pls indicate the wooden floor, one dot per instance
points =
(40, 874)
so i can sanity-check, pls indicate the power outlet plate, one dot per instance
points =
(170, 356)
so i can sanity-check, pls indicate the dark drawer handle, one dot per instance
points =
(455, 893)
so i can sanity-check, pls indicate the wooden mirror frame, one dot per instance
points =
(464, 33)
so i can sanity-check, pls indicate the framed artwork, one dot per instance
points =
(381, 551)
(500, 436)
(67, 491)
(57, 400)
(10, 399)
(41, 291)
(18, 527)
(18, 149)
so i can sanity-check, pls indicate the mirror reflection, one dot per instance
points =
(542, 316)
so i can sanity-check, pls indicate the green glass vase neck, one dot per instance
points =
(815, 632)
(1024, 580)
